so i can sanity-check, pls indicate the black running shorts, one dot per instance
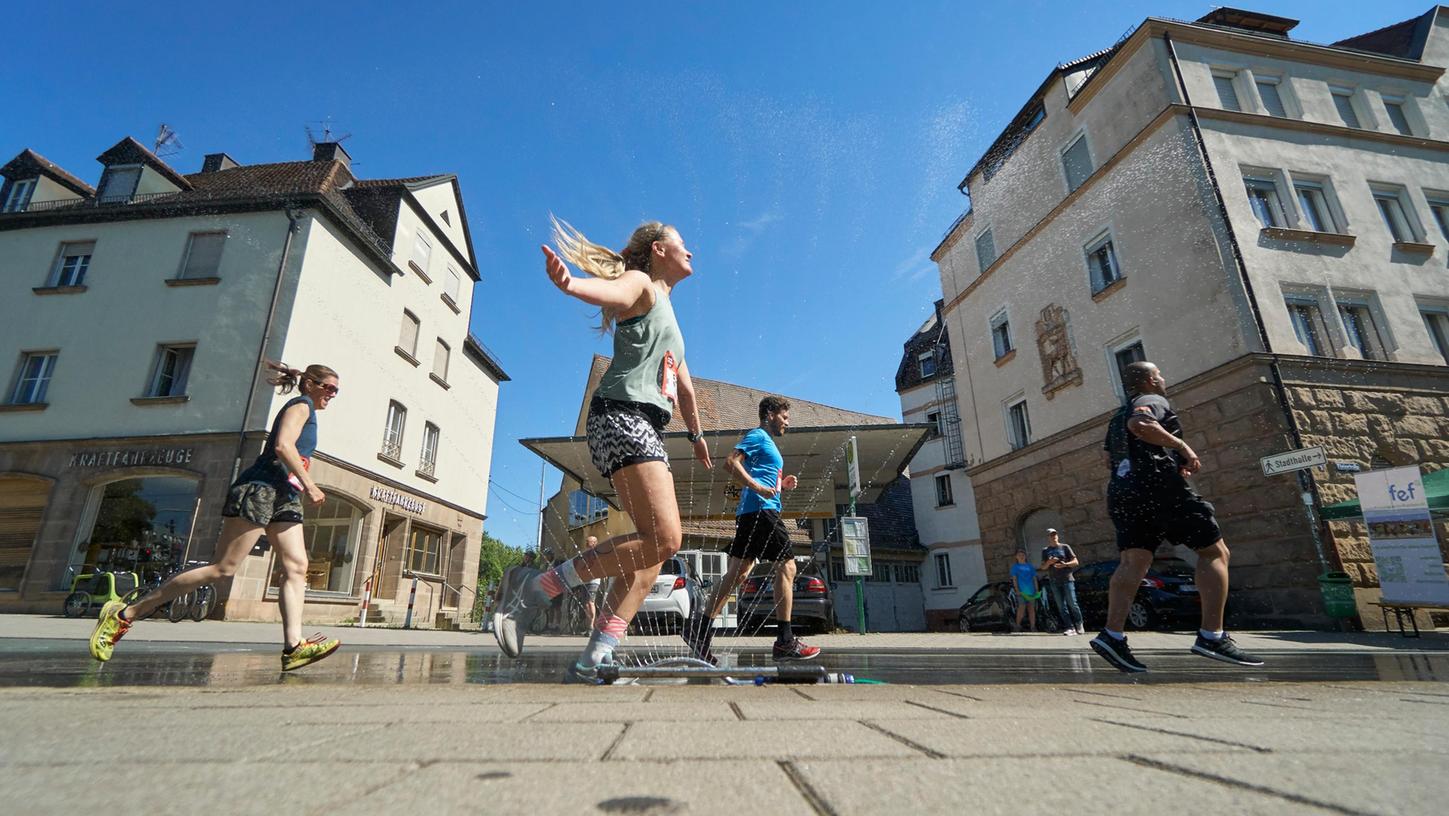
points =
(760, 536)
(1144, 518)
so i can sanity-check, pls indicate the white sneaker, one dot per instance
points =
(1070, 633)
(1080, 630)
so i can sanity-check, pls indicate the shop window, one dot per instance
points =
(22, 506)
(332, 532)
(138, 524)
(425, 550)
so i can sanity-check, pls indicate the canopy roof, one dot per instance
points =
(815, 455)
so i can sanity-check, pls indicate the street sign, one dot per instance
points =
(852, 468)
(855, 539)
(1290, 461)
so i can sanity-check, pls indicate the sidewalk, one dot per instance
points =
(1268, 642)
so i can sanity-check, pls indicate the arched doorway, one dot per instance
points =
(1031, 532)
(22, 506)
(333, 533)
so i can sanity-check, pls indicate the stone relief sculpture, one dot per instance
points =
(1059, 367)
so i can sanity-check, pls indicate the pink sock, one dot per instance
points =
(552, 583)
(611, 625)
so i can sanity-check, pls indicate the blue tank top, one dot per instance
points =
(268, 468)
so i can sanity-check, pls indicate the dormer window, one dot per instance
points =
(19, 197)
(119, 183)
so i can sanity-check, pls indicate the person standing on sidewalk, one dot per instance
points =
(1149, 499)
(266, 497)
(1024, 587)
(634, 401)
(1059, 561)
(760, 535)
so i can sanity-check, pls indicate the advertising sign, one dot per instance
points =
(855, 540)
(1406, 552)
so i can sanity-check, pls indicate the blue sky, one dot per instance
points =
(808, 152)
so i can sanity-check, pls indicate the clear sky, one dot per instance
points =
(808, 152)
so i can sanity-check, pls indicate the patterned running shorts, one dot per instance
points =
(262, 504)
(622, 434)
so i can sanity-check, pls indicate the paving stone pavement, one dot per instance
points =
(1272, 748)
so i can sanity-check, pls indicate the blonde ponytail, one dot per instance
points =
(601, 262)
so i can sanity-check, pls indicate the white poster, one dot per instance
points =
(855, 541)
(1410, 565)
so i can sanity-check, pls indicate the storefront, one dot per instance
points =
(68, 508)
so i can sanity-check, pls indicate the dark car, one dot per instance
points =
(1167, 598)
(992, 608)
(814, 609)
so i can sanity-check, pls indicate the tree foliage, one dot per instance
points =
(494, 557)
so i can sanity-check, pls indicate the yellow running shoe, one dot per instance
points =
(109, 629)
(308, 651)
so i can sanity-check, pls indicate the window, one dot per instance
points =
(429, 457)
(943, 490)
(1316, 215)
(586, 508)
(1395, 107)
(72, 263)
(1102, 263)
(1077, 163)
(32, 380)
(1263, 196)
(1440, 209)
(1124, 356)
(934, 420)
(332, 532)
(1436, 321)
(943, 570)
(425, 549)
(392, 435)
(153, 512)
(170, 371)
(1001, 334)
(985, 250)
(1225, 81)
(1018, 425)
(1362, 333)
(1308, 326)
(203, 255)
(19, 197)
(1272, 100)
(454, 284)
(927, 364)
(908, 573)
(119, 184)
(408, 340)
(1391, 207)
(440, 360)
(1343, 102)
(422, 252)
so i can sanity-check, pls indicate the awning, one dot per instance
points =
(1436, 488)
(815, 455)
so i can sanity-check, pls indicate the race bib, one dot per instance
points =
(669, 377)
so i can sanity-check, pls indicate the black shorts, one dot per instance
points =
(760, 536)
(624, 433)
(1147, 516)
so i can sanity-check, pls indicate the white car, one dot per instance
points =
(668, 604)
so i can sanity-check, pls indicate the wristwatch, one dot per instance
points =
(694, 437)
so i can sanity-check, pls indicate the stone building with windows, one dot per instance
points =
(135, 323)
(1265, 218)
(942, 500)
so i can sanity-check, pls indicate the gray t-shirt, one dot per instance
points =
(1063, 552)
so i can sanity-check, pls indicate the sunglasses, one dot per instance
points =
(330, 390)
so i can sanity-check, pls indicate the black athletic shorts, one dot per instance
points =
(1147, 516)
(760, 536)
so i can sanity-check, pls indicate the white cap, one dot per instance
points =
(1051, 529)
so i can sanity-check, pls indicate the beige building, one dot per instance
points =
(1265, 218)
(137, 318)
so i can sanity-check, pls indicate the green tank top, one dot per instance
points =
(648, 351)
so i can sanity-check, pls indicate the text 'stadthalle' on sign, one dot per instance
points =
(1289, 461)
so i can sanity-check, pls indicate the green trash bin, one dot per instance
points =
(1337, 588)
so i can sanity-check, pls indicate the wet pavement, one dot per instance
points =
(65, 663)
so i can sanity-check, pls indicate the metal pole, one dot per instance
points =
(542, 471)
(859, 591)
(366, 601)
(412, 595)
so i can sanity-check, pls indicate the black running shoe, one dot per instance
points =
(1224, 649)
(1115, 651)
(698, 634)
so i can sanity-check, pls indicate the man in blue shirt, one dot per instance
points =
(760, 535)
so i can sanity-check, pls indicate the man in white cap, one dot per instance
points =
(1059, 561)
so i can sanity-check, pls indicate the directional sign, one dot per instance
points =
(1289, 461)
(852, 467)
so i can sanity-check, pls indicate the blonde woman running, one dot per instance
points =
(635, 399)
(266, 497)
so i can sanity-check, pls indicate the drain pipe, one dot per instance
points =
(1308, 488)
(294, 217)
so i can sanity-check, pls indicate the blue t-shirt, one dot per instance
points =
(1024, 577)
(763, 462)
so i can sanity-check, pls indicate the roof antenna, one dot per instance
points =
(167, 142)
(327, 136)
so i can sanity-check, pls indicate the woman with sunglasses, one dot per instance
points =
(266, 497)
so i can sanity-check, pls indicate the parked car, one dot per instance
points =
(1167, 598)
(813, 606)
(992, 608)
(676, 591)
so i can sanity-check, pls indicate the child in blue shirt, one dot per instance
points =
(1023, 584)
